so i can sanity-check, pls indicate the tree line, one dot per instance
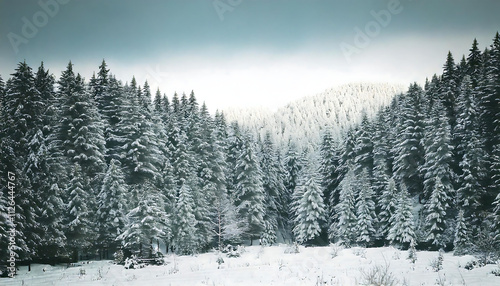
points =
(103, 165)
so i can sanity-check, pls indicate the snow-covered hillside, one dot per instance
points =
(272, 266)
(302, 120)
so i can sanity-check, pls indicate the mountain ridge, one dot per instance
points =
(303, 120)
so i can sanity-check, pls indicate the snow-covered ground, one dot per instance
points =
(268, 266)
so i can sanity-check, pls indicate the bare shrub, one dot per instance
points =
(379, 275)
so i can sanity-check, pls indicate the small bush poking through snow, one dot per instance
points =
(496, 271)
(233, 251)
(294, 248)
(473, 264)
(131, 262)
(220, 261)
(361, 252)
(378, 276)
(336, 248)
(437, 263)
(412, 253)
(119, 257)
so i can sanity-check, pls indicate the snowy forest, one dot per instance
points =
(102, 165)
(303, 121)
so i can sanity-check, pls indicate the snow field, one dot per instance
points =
(268, 266)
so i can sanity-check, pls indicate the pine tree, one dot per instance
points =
(473, 162)
(408, 150)
(21, 122)
(438, 152)
(141, 155)
(310, 211)
(462, 241)
(343, 228)
(474, 64)
(293, 164)
(249, 190)
(388, 204)
(274, 188)
(381, 153)
(44, 168)
(81, 232)
(81, 136)
(363, 147)
(185, 240)
(436, 219)
(112, 206)
(329, 170)
(147, 222)
(449, 89)
(402, 231)
(365, 210)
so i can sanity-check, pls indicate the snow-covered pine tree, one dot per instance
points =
(381, 152)
(388, 203)
(112, 206)
(492, 88)
(294, 164)
(343, 227)
(274, 188)
(81, 135)
(448, 89)
(21, 123)
(475, 65)
(147, 222)
(365, 210)
(437, 209)
(141, 157)
(438, 153)
(185, 240)
(310, 211)
(114, 107)
(473, 157)
(44, 169)
(461, 242)
(408, 149)
(81, 231)
(363, 147)
(329, 170)
(495, 218)
(249, 190)
(199, 131)
(402, 231)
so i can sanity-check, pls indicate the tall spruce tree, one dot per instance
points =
(388, 203)
(21, 125)
(437, 209)
(185, 240)
(408, 149)
(472, 189)
(249, 191)
(343, 227)
(310, 211)
(438, 153)
(112, 206)
(365, 210)
(402, 230)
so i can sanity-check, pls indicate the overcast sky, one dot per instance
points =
(245, 52)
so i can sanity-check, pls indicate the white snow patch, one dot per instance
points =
(266, 266)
